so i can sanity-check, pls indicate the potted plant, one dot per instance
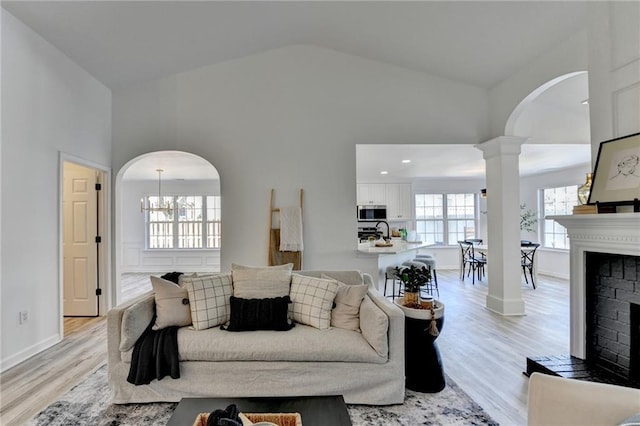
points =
(413, 278)
(528, 219)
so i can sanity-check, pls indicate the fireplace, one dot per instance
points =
(613, 313)
(604, 293)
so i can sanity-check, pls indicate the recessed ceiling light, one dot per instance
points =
(406, 161)
(585, 102)
(384, 172)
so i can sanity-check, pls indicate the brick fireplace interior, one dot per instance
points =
(613, 314)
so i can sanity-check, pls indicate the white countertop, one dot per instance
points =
(399, 246)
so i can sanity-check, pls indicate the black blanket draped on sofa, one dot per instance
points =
(155, 355)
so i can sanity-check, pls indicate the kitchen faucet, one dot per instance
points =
(385, 222)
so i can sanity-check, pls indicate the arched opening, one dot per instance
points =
(557, 112)
(555, 120)
(168, 218)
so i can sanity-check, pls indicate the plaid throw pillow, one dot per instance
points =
(312, 300)
(209, 300)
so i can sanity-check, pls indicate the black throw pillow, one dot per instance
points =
(259, 314)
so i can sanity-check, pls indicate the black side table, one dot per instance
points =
(423, 364)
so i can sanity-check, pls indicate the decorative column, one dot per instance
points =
(503, 224)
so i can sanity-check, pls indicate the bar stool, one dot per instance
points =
(391, 274)
(430, 262)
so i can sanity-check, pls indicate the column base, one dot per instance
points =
(506, 307)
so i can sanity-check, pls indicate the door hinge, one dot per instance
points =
(98, 292)
(98, 186)
(98, 239)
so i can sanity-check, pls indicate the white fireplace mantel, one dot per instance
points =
(616, 233)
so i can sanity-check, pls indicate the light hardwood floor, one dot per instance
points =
(483, 352)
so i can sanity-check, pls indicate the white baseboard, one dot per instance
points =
(554, 274)
(23, 355)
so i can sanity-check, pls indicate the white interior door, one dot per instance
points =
(79, 244)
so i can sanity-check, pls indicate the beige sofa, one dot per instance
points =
(558, 401)
(298, 362)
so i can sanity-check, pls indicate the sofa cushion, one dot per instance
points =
(259, 314)
(312, 300)
(172, 304)
(300, 344)
(135, 321)
(346, 311)
(209, 300)
(261, 282)
(374, 325)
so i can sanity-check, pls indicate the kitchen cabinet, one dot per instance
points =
(399, 202)
(372, 194)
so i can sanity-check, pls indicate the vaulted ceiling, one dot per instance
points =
(475, 42)
(479, 43)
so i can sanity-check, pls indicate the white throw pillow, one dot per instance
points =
(251, 282)
(209, 300)
(346, 311)
(312, 300)
(172, 304)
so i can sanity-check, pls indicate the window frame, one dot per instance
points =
(175, 223)
(445, 220)
(557, 228)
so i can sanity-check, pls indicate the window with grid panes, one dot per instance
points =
(214, 215)
(445, 218)
(557, 201)
(195, 223)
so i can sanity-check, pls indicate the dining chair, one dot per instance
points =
(476, 263)
(527, 256)
(463, 258)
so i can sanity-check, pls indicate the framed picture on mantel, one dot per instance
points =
(616, 178)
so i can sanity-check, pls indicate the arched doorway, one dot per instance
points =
(168, 218)
(554, 118)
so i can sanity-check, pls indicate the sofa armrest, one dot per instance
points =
(555, 400)
(396, 321)
(136, 315)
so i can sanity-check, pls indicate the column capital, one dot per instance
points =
(502, 145)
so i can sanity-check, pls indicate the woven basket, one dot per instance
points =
(281, 419)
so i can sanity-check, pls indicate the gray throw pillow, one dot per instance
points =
(346, 311)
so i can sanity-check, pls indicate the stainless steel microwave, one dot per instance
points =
(371, 213)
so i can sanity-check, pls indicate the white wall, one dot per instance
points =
(288, 119)
(50, 105)
(614, 70)
(134, 255)
(569, 56)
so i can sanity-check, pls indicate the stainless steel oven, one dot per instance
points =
(367, 213)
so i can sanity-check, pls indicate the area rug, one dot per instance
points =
(88, 404)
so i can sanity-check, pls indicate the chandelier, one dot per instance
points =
(158, 206)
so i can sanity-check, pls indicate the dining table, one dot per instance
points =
(484, 249)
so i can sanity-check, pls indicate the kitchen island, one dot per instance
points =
(379, 258)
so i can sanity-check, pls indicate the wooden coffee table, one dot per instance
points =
(314, 410)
